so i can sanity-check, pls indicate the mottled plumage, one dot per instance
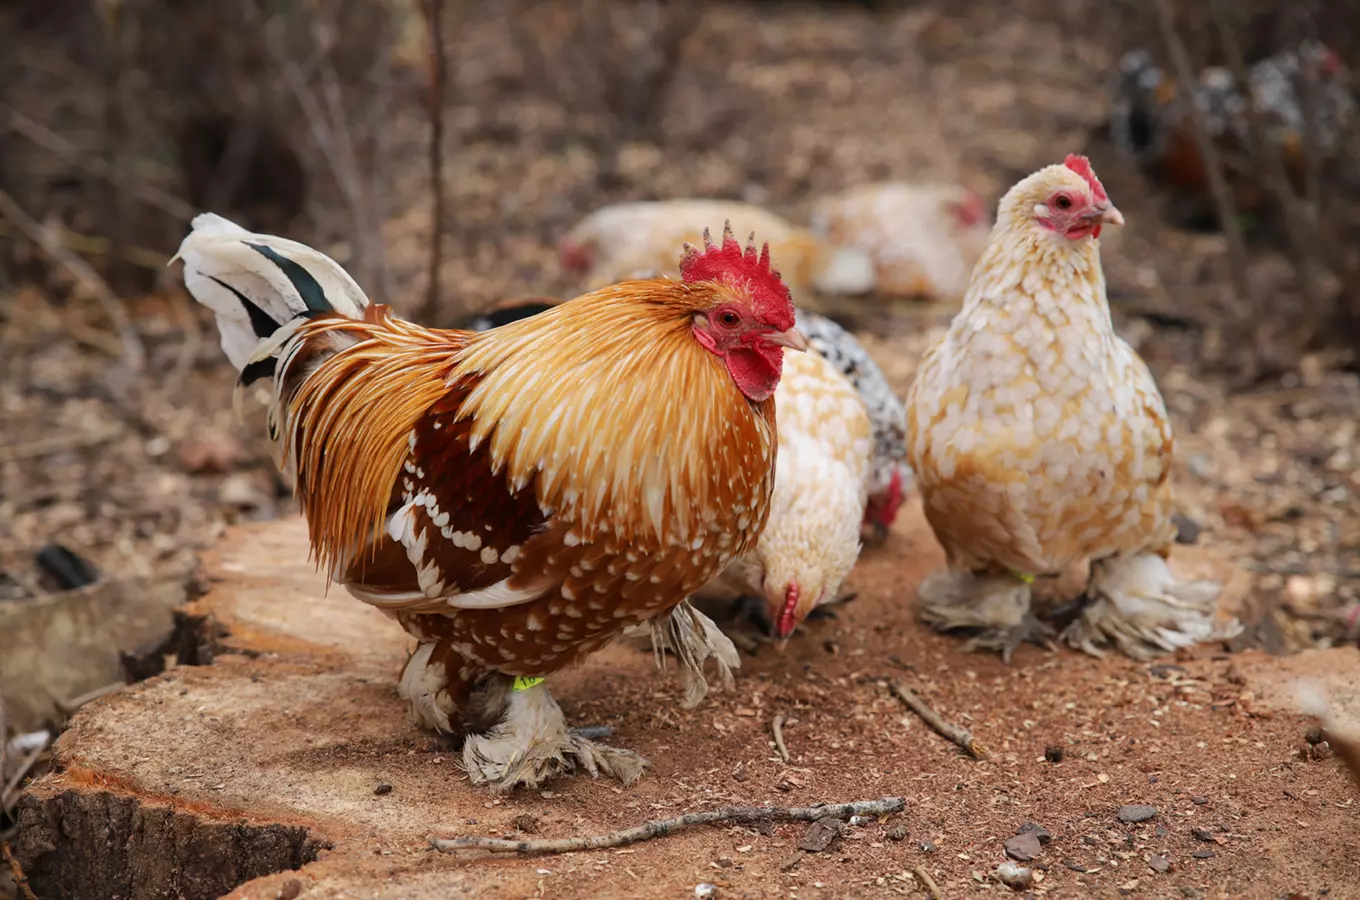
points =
(515, 497)
(812, 539)
(890, 476)
(1039, 438)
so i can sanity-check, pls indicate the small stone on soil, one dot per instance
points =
(928, 847)
(861, 821)
(1023, 847)
(1187, 529)
(382, 789)
(1199, 801)
(1054, 754)
(1136, 812)
(1039, 831)
(897, 833)
(1159, 864)
(792, 861)
(739, 773)
(1314, 735)
(820, 834)
(1017, 878)
(525, 823)
(705, 890)
(1203, 854)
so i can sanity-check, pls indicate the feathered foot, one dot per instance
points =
(694, 639)
(1137, 605)
(533, 744)
(997, 607)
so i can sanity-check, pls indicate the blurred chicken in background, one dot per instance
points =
(1151, 124)
(637, 240)
(923, 239)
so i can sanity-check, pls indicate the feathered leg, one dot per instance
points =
(512, 734)
(1137, 605)
(995, 606)
(694, 638)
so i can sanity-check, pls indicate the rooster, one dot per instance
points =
(813, 538)
(923, 239)
(889, 476)
(1150, 115)
(513, 498)
(1039, 439)
(634, 240)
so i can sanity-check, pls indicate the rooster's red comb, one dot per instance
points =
(1082, 166)
(769, 295)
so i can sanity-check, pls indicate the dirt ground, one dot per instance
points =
(298, 723)
(143, 472)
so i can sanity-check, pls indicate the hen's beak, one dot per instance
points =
(1106, 214)
(792, 339)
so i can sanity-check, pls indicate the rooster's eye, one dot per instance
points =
(1062, 201)
(729, 319)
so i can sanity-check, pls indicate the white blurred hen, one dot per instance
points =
(923, 239)
(638, 240)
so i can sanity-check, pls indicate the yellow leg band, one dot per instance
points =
(1027, 579)
(524, 682)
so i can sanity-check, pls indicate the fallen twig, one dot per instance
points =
(10, 795)
(18, 872)
(133, 352)
(661, 827)
(927, 882)
(957, 734)
(70, 706)
(777, 726)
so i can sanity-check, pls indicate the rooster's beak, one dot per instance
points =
(792, 339)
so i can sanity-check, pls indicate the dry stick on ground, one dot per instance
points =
(956, 733)
(434, 22)
(777, 727)
(18, 872)
(927, 882)
(662, 827)
(1213, 161)
(134, 355)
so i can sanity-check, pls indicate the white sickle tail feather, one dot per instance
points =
(261, 287)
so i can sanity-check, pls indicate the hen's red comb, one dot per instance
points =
(769, 295)
(1082, 166)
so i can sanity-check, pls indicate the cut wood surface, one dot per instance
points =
(287, 767)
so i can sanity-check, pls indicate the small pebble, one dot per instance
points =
(1054, 754)
(1203, 854)
(1022, 847)
(861, 821)
(705, 889)
(1187, 529)
(1015, 877)
(382, 789)
(1039, 831)
(1314, 735)
(1159, 864)
(928, 847)
(1204, 834)
(1136, 812)
(820, 834)
(1199, 801)
(897, 833)
(739, 773)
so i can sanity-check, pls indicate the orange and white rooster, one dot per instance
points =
(514, 498)
(636, 240)
(1039, 439)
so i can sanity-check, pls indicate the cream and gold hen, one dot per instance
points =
(1040, 439)
(822, 474)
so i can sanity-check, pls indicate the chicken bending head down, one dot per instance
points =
(515, 498)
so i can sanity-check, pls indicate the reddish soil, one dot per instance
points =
(301, 724)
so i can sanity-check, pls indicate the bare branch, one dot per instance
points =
(1208, 152)
(434, 19)
(663, 827)
(133, 352)
(958, 735)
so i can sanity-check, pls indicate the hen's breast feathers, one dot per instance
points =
(542, 470)
(1037, 434)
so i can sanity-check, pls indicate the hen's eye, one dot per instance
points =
(1062, 201)
(729, 319)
